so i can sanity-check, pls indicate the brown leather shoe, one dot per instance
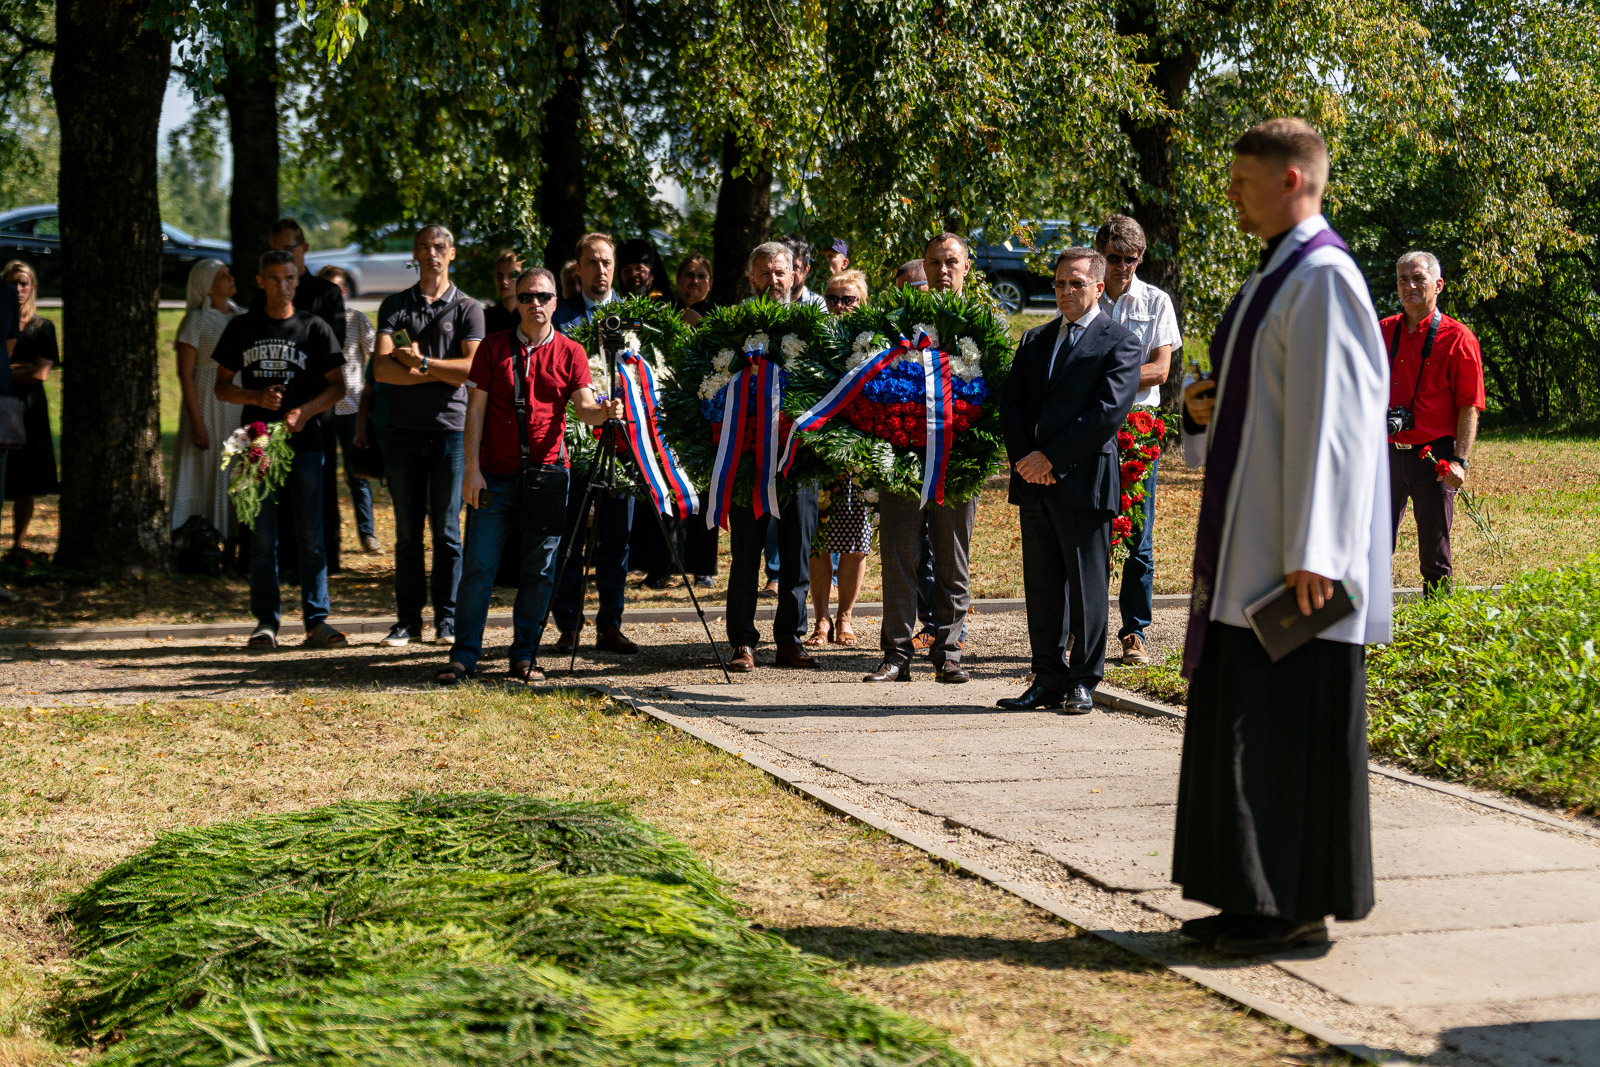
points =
(794, 656)
(567, 643)
(890, 670)
(951, 674)
(744, 659)
(1133, 651)
(614, 641)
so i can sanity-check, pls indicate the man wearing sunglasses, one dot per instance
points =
(422, 440)
(545, 370)
(1148, 313)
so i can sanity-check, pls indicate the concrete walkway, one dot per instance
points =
(1484, 948)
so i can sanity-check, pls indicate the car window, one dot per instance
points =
(176, 234)
(47, 226)
(21, 227)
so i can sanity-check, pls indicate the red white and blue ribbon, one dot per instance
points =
(769, 402)
(669, 487)
(729, 449)
(846, 390)
(940, 400)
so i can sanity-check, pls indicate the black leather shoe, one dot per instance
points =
(951, 674)
(1079, 701)
(1263, 935)
(567, 642)
(1037, 698)
(1206, 930)
(890, 670)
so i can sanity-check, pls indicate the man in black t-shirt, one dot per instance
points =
(289, 369)
(500, 314)
(423, 453)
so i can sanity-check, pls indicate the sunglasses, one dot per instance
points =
(1117, 261)
(842, 299)
(528, 298)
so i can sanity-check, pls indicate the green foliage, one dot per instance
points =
(193, 187)
(977, 451)
(30, 139)
(724, 333)
(1498, 688)
(452, 929)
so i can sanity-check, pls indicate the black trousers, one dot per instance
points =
(747, 535)
(1273, 812)
(1066, 568)
(1413, 478)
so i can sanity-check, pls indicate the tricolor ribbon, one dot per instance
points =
(664, 478)
(769, 401)
(845, 391)
(938, 396)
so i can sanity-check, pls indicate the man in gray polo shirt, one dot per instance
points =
(422, 442)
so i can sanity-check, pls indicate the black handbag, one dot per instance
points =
(541, 488)
(13, 434)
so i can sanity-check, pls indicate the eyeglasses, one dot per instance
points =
(845, 300)
(528, 298)
(1075, 286)
(1117, 261)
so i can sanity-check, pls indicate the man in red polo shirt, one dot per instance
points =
(1435, 394)
(537, 370)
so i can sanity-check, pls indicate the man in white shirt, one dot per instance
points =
(1273, 824)
(1147, 312)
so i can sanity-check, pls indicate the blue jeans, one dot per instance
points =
(488, 529)
(424, 468)
(613, 523)
(304, 488)
(344, 427)
(1139, 569)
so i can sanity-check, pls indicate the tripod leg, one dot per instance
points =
(688, 583)
(566, 559)
(590, 537)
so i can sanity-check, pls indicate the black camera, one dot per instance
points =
(1401, 420)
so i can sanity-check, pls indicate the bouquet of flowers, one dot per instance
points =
(260, 456)
(747, 372)
(914, 407)
(1138, 446)
(658, 343)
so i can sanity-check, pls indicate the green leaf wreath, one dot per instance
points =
(660, 342)
(801, 337)
(966, 328)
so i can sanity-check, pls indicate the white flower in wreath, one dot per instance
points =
(632, 342)
(712, 384)
(870, 496)
(757, 341)
(969, 350)
(866, 344)
(598, 377)
(793, 348)
(723, 360)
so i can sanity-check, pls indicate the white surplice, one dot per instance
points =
(1311, 488)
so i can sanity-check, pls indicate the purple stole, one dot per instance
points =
(1227, 432)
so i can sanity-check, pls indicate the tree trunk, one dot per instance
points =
(564, 188)
(250, 89)
(108, 78)
(744, 220)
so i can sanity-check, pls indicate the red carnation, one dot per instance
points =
(1125, 440)
(1142, 421)
(899, 438)
(1127, 502)
(1442, 468)
(257, 428)
(1122, 525)
(1150, 451)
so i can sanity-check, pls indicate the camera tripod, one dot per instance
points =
(601, 487)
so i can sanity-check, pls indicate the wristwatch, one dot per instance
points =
(1461, 460)
(424, 363)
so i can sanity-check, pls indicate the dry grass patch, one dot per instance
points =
(1011, 984)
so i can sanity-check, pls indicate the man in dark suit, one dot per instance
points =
(1071, 386)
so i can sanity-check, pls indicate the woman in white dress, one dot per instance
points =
(199, 486)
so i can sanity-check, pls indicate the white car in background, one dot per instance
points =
(387, 268)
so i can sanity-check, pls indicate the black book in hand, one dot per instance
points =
(1281, 628)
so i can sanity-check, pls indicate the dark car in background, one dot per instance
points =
(34, 234)
(1018, 268)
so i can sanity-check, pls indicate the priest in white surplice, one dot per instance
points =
(1273, 825)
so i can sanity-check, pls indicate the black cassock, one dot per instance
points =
(1272, 799)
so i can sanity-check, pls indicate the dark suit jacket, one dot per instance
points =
(315, 296)
(1073, 418)
(570, 313)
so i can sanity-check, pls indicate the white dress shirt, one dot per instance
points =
(1147, 312)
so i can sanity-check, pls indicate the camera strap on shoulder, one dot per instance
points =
(520, 386)
(1427, 350)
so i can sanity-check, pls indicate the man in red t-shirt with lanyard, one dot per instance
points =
(533, 370)
(1435, 394)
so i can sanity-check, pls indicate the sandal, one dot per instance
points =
(264, 639)
(450, 675)
(842, 634)
(818, 635)
(526, 672)
(325, 636)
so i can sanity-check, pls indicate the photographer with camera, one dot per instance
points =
(1435, 394)
(516, 471)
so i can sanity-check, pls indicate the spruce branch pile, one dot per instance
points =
(442, 930)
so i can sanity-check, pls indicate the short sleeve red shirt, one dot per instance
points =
(555, 371)
(1452, 379)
